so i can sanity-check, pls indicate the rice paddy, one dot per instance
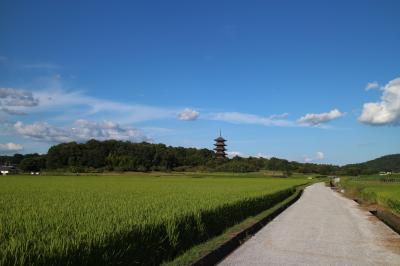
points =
(98, 220)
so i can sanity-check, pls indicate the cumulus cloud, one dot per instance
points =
(10, 147)
(82, 130)
(85, 130)
(387, 110)
(316, 119)
(42, 131)
(372, 85)
(16, 97)
(188, 114)
(244, 118)
(318, 157)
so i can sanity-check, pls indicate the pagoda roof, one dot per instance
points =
(219, 144)
(220, 139)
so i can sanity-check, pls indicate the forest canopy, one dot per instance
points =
(113, 155)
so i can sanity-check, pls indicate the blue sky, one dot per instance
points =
(302, 80)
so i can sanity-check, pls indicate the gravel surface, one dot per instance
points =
(321, 228)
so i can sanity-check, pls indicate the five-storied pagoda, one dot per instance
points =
(220, 147)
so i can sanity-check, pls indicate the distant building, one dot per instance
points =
(220, 147)
(385, 173)
(8, 169)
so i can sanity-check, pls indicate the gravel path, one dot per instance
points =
(321, 228)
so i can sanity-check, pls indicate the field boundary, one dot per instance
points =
(237, 236)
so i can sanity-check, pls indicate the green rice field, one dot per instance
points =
(98, 220)
(383, 190)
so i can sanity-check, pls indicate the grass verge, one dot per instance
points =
(217, 248)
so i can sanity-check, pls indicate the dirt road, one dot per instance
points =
(321, 228)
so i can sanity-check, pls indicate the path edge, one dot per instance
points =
(388, 217)
(223, 250)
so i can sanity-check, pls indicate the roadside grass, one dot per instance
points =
(197, 252)
(140, 219)
(375, 189)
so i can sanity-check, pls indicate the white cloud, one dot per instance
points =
(188, 115)
(82, 130)
(10, 147)
(318, 157)
(243, 118)
(387, 110)
(85, 130)
(316, 119)
(372, 85)
(42, 131)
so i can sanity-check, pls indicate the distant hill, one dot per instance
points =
(385, 163)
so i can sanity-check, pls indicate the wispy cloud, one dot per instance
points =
(58, 103)
(12, 112)
(56, 99)
(91, 106)
(245, 118)
(372, 85)
(41, 66)
(279, 120)
(387, 110)
(278, 116)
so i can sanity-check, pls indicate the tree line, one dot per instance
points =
(113, 155)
